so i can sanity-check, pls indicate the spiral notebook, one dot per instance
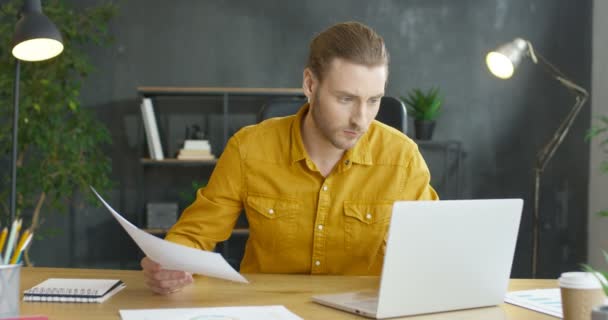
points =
(74, 290)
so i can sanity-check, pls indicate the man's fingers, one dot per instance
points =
(164, 281)
(149, 264)
(167, 286)
(167, 275)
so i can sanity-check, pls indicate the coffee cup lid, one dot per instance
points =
(579, 280)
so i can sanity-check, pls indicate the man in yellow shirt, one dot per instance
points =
(318, 186)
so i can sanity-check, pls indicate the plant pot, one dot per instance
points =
(424, 129)
(600, 312)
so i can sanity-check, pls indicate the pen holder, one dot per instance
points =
(9, 290)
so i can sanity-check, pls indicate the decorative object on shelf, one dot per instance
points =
(161, 215)
(155, 148)
(502, 63)
(60, 143)
(196, 133)
(424, 108)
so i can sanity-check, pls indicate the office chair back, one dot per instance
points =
(392, 111)
(280, 107)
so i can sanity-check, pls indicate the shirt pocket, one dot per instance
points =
(365, 227)
(272, 222)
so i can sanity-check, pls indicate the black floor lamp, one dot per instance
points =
(502, 63)
(36, 38)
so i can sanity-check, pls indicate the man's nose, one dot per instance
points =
(358, 116)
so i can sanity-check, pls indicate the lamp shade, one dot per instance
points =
(503, 61)
(36, 37)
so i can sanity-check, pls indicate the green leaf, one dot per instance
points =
(72, 105)
(421, 105)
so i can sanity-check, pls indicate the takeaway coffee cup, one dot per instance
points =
(580, 291)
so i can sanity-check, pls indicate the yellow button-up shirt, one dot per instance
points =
(300, 221)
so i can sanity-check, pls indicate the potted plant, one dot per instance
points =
(600, 312)
(424, 107)
(61, 145)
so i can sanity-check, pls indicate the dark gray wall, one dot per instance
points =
(440, 43)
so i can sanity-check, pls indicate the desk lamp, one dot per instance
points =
(502, 63)
(36, 38)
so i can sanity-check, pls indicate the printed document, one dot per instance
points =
(174, 256)
(228, 313)
(546, 301)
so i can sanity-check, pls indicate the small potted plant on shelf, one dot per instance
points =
(424, 107)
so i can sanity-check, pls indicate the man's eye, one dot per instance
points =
(374, 101)
(346, 99)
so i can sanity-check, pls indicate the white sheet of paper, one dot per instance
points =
(174, 256)
(223, 313)
(547, 301)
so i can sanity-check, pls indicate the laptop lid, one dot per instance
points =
(448, 255)
(441, 256)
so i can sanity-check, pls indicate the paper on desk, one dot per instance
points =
(174, 256)
(547, 301)
(241, 313)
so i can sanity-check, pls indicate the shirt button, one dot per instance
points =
(368, 216)
(320, 227)
(317, 263)
(324, 188)
(270, 211)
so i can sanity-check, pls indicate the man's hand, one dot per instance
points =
(164, 281)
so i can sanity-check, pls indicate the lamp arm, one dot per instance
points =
(554, 71)
(547, 152)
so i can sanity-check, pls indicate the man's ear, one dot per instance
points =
(309, 83)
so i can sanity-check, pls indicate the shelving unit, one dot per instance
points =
(225, 110)
(444, 159)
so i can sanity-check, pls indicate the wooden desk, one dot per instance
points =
(293, 291)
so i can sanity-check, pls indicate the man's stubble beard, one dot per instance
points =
(325, 127)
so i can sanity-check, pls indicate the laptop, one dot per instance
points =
(440, 256)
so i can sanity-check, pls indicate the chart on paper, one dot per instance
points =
(546, 301)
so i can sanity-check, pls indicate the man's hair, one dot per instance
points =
(351, 41)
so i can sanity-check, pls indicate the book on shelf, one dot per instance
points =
(196, 150)
(196, 157)
(152, 136)
(188, 152)
(197, 145)
(74, 290)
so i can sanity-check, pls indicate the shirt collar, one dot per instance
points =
(297, 145)
(360, 153)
